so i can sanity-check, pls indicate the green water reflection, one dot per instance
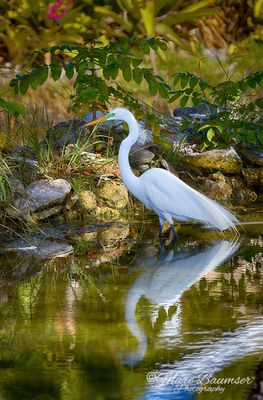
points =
(93, 324)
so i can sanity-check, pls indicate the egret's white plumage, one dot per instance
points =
(164, 193)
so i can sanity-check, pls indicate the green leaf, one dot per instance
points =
(196, 101)
(24, 84)
(252, 83)
(126, 73)
(259, 102)
(14, 84)
(203, 85)
(55, 71)
(183, 101)
(163, 91)
(210, 134)
(184, 80)
(204, 127)
(42, 75)
(175, 97)
(106, 73)
(145, 47)
(114, 70)
(162, 45)
(136, 62)
(137, 75)
(176, 79)
(153, 87)
(34, 79)
(193, 82)
(13, 108)
(69, 70)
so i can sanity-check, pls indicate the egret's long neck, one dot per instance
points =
(126, 173)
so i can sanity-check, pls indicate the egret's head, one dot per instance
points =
(116, 114)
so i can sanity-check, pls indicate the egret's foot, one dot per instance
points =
(174, 231)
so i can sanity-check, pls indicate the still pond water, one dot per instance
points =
(123, 317)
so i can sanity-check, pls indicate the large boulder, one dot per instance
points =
(114, 194)
(227, 161)
(40, 195)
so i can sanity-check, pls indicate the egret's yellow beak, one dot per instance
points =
(97, 121)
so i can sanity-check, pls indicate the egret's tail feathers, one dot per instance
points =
(215, 215)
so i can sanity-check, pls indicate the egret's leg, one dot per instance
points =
(174, 231)
(161, 226)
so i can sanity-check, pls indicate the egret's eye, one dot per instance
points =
(110, 115)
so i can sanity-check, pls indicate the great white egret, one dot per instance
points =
(162, 192)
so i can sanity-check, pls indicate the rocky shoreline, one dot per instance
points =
(232, 176)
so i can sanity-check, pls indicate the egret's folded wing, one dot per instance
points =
(169, 194)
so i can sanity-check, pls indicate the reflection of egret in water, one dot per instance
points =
(165, 279)
(171, 382)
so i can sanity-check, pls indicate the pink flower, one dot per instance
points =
(57, 10)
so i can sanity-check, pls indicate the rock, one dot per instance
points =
(227, 161)
(89, 236)
(71, 201)
(219, 191)
(107, 213)
(114, 233)
(47, 192)
(143, 168)
(114, 194)
(66, 132)
(40, 195)
(103, 167)
(17, 188)
(166, 165)
(26, 168)
(240, 193)
(42, 249)
(218, 177)
(145, 134)
(253, 176)
(203, 109)
(44, 214)
(253, 156)
(87, 200)
(71, 215)
(87, 157)
(139, 156)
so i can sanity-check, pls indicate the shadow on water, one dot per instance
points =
(107, 314)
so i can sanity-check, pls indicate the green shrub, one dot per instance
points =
(98, 71)
(236, 108)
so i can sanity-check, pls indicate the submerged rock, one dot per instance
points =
(41, 249)
(107, 213)
(49, 212)
(114, 233)
(114, 194)
(226, 160)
